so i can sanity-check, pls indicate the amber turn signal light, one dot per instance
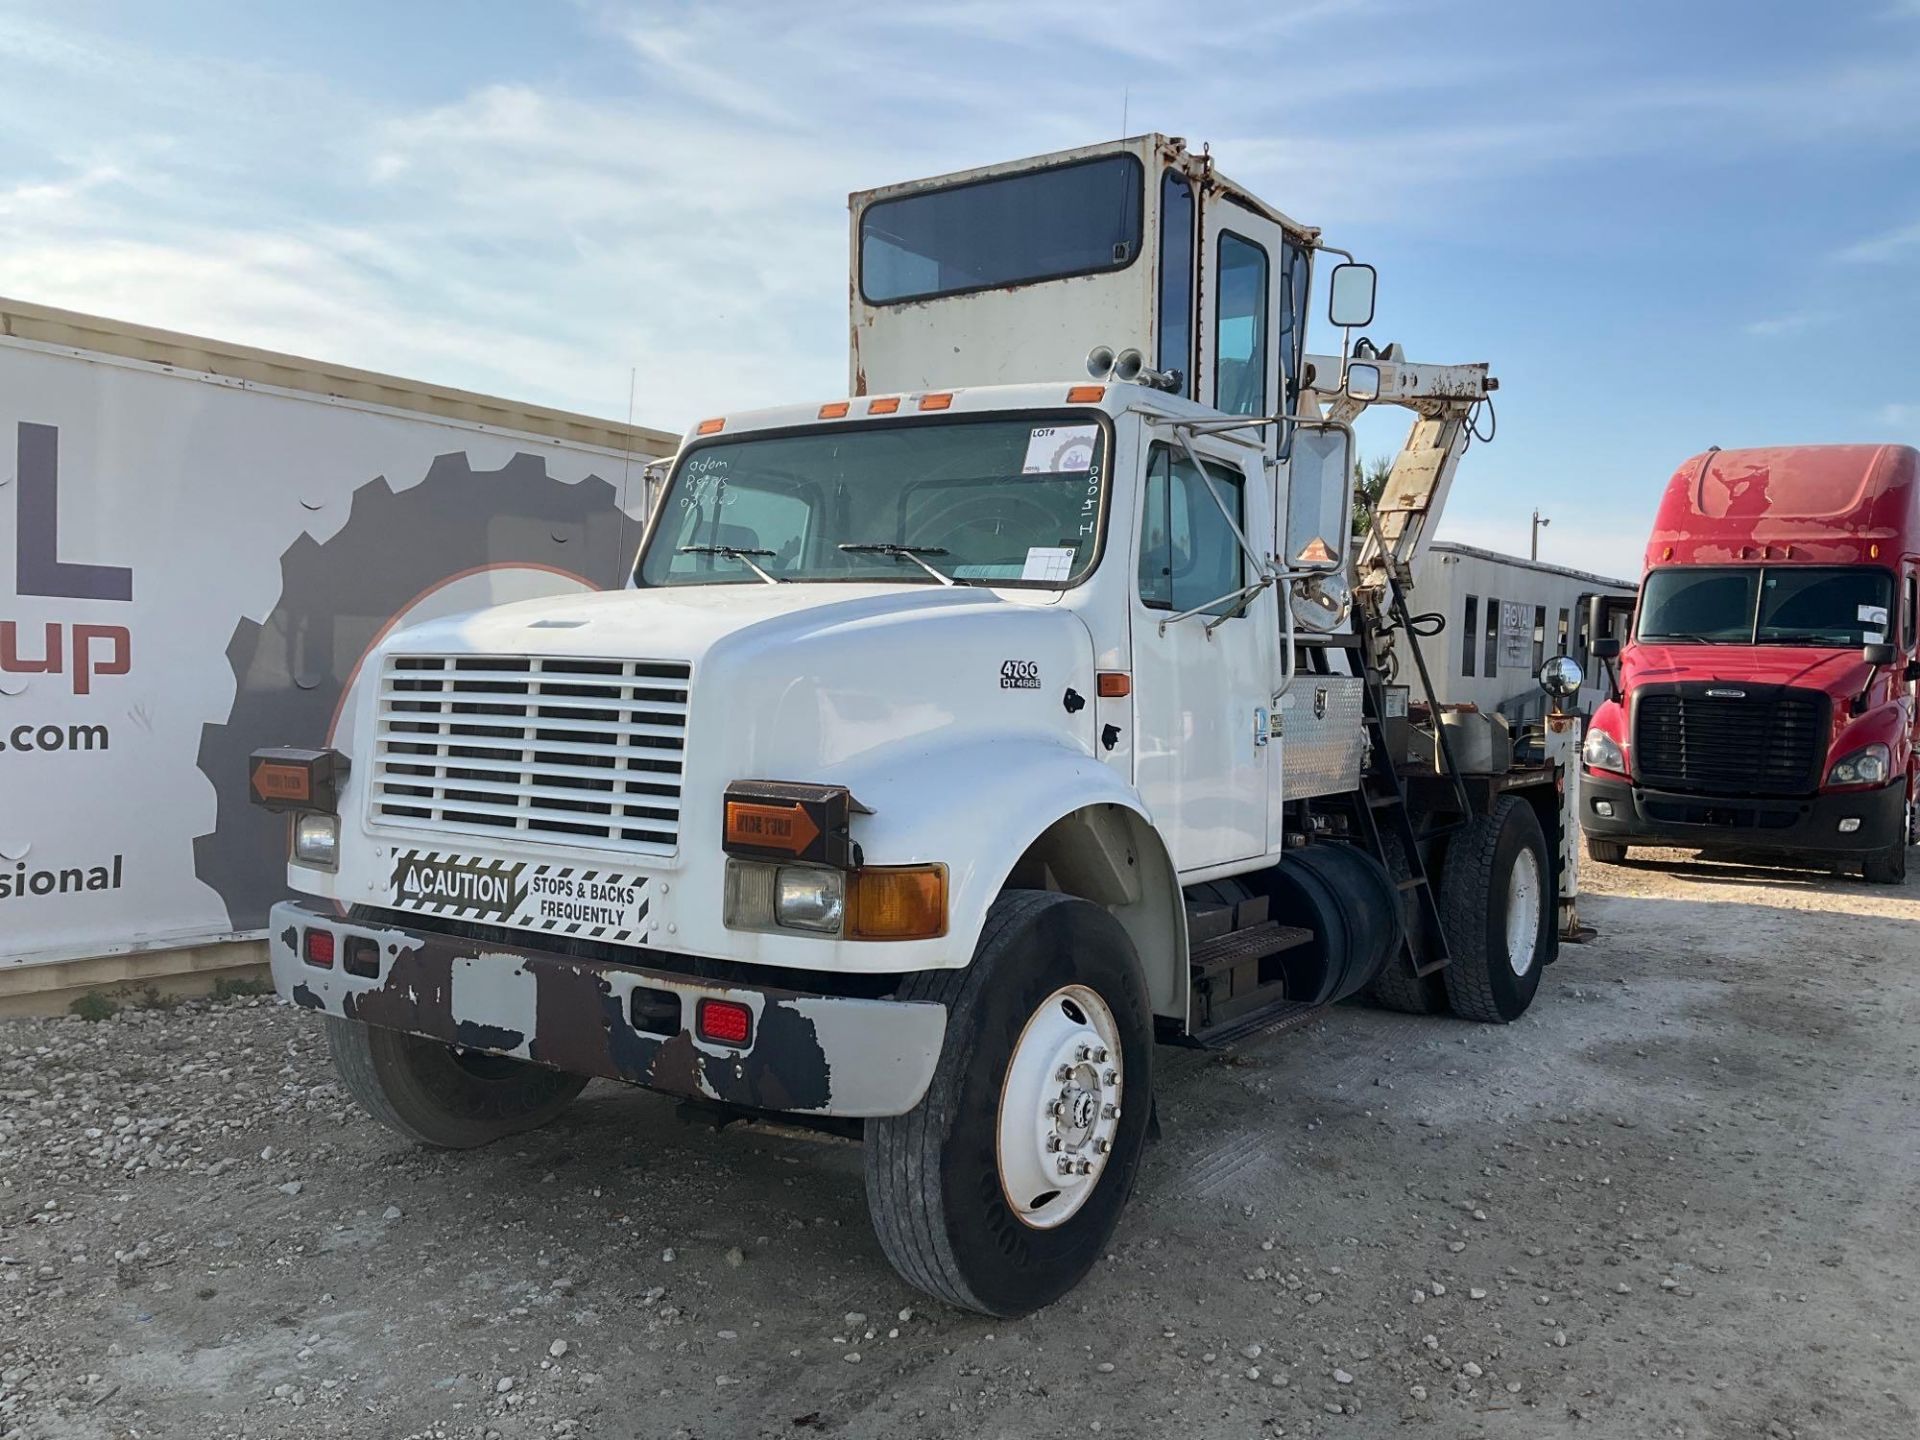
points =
(710, 427)
(899, 902)
(885, 405)
(1086, 394)
(833, 409)
(1114, 684)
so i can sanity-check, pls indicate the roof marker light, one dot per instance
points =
(885, 405)
(834, 409)
(711, 427)
(1086, 394)
(939, 400)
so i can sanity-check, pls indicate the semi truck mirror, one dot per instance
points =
(1350, 293)
(1363, 382)
(1606, 647)
(1878, 654)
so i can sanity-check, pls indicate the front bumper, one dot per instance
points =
(1807, 825)
(807, 1054)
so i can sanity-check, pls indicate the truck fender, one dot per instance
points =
(1023, 812)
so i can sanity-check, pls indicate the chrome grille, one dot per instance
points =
(551, 749)
(1767, 740)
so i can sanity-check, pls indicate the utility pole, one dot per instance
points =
(1540, 522)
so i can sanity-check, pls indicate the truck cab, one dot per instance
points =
(955, 739)
(1765, 699)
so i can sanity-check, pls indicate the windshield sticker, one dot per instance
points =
(1060, 449)
(1874, 614)
(1873, 637)
(1048, 562)
(986, 572)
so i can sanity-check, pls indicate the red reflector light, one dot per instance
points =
(724, 1022)
(320, 948)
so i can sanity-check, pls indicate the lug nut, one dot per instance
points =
(1103, 1146)
(1110, 1111)
(1057, 1108)
(1066, 1166)
(1112, 1077)
(1083, 1167)
(1100, 1055)
(1053, 1142)
(1081, 1053)
(1065, 1072)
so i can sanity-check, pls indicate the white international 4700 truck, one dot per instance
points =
(954, 741)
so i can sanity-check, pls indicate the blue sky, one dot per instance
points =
(1663, 223)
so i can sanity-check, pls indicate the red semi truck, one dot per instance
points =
(1766, 698)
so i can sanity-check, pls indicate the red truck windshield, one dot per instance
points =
(1838, 606)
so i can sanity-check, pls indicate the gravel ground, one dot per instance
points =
(1678, 1199)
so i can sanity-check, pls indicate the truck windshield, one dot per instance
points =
(1002, 501)
(1009, 230)
(1837, 606)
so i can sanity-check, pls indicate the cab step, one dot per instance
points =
(1268, 1019)
(1236, 967)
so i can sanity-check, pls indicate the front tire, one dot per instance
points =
(1606, 852)
(1889, 866)
(1497, 904)
(435, 1095)
(1000, 1190)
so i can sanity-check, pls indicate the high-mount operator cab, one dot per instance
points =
(1134, 257)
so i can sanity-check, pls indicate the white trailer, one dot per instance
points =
(199, 542)
(1505, 617)
(956, 738)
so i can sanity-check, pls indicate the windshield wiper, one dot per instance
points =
(734, 552)
(1686, 637)
(1799, 637)
(903, 552)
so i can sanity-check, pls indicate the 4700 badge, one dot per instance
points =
(597, 904)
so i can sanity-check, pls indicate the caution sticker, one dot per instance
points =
(562, 899)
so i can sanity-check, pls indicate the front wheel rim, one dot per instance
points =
(1523, 911)
(1060, 1107)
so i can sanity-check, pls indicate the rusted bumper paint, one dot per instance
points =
(808, 1054)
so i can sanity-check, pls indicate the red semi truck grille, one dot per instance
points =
(1768, 741)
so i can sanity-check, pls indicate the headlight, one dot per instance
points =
(1870, 766)
(808, 899)
(784, 897)
(316, 840)
(1602, 752)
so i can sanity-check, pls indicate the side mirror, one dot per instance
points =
(1561, 676)
(1319, 516)
(1878, 654)
(1350, 295)
(1363, 382)
(1606, 647)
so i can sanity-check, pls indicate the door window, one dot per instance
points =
(1188, 554)
(1176, 277)
(1493, 638)
(1240, 327)
(1469, 635)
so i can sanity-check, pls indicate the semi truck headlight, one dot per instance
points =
(808, 899)
(1602, 752)
(1870, 766)
(316, 840)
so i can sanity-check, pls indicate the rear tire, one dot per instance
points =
(942, 1179)
(1606, 852)
(1497, 903)
(436, 1095)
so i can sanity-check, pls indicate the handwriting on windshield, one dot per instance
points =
(704, 481)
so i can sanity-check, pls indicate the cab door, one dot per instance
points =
(1202, 684)
(1251, 320)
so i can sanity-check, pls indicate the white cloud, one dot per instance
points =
(1789, 324)
(1907, 415)
(1890, 245)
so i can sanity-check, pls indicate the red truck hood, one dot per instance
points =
(1839, 673)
